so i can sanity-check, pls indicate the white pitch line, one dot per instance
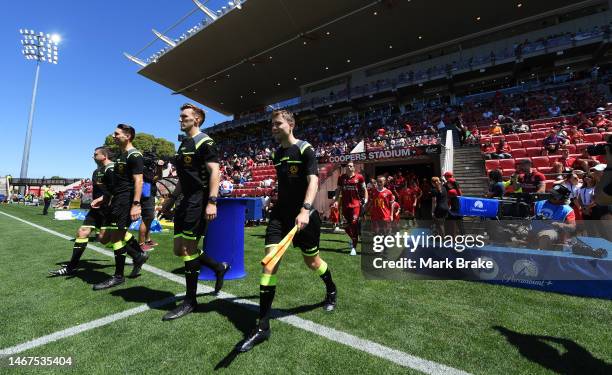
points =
(83, 327)
(367, 346)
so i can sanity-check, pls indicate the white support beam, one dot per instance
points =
(166, 40)
(134, 59)
(204, 9)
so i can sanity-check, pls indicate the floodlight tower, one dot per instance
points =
(39, 47)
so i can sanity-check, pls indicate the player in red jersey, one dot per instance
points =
(395, 215)
(334, 214)
(351, 190)
(380, 206)
(408, 198)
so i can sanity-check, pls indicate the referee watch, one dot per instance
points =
(307, 206)
(212, 200)
(135, 203)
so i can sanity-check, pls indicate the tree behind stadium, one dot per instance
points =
(146, 143)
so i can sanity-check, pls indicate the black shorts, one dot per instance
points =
(307, 239)
(96, 217)
(147, 208)
(119, 212)
(189, 219)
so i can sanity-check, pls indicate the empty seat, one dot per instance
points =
(529, 143)
(539, 142)
(523, 136)
(533, 151)
(512, 137)
(553, 158)
(592, 137)
(536, 135)
(540, 161)
(508, 172)
(519, 153)
(491, 164)
(515, 144)
(545, 170)
(506, 163)
(571, 148)
(581, 146)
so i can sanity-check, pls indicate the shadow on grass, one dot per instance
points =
(155, 299)
(538, 349)
(88, 270)
(244, 318)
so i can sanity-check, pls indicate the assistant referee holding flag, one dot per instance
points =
(197, 167)
(298, 182)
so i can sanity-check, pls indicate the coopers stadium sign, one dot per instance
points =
(384, 154)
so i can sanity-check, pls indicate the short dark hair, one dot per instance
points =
(128, 130)
(105, 151)
(199, 112)
(285, 114)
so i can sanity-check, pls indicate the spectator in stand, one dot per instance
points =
(584, 123)
(585, 197)
(529, 180)
(566, 161)
(507, 124)
(496, 185)
(266, 183)
(522, 127)
(557, 171)
(488, 150)
(495, 128)
(502, 151)
(552, 142)
(587, 158)
(575, 135)
(554, 110)
(600, 121)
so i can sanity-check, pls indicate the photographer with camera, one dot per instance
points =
(554, 219)
(151, 174)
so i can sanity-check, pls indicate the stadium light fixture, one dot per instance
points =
(39, 47)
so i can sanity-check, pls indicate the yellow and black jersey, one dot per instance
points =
(293, 166)
(127, 164)
(102, 181)
(190, 161)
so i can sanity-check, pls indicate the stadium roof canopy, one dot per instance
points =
(263, 53)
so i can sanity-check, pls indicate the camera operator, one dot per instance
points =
(554, 219)
(151, 174)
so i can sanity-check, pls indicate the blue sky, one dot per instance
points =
(93, 87)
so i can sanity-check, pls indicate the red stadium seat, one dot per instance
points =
(549, 184)
(539, 142)
(512, 138)
(491, 164)
(540, 161)
(529, 143)
(506, 163)
(508, 172)
(519, 153)
(536, 135)
(515, 144)
(545, 170)
(553, 158)
(496, 138)
(523, 136)
(592, 137)
(571, 148)
(533, 151)
(581, 146)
